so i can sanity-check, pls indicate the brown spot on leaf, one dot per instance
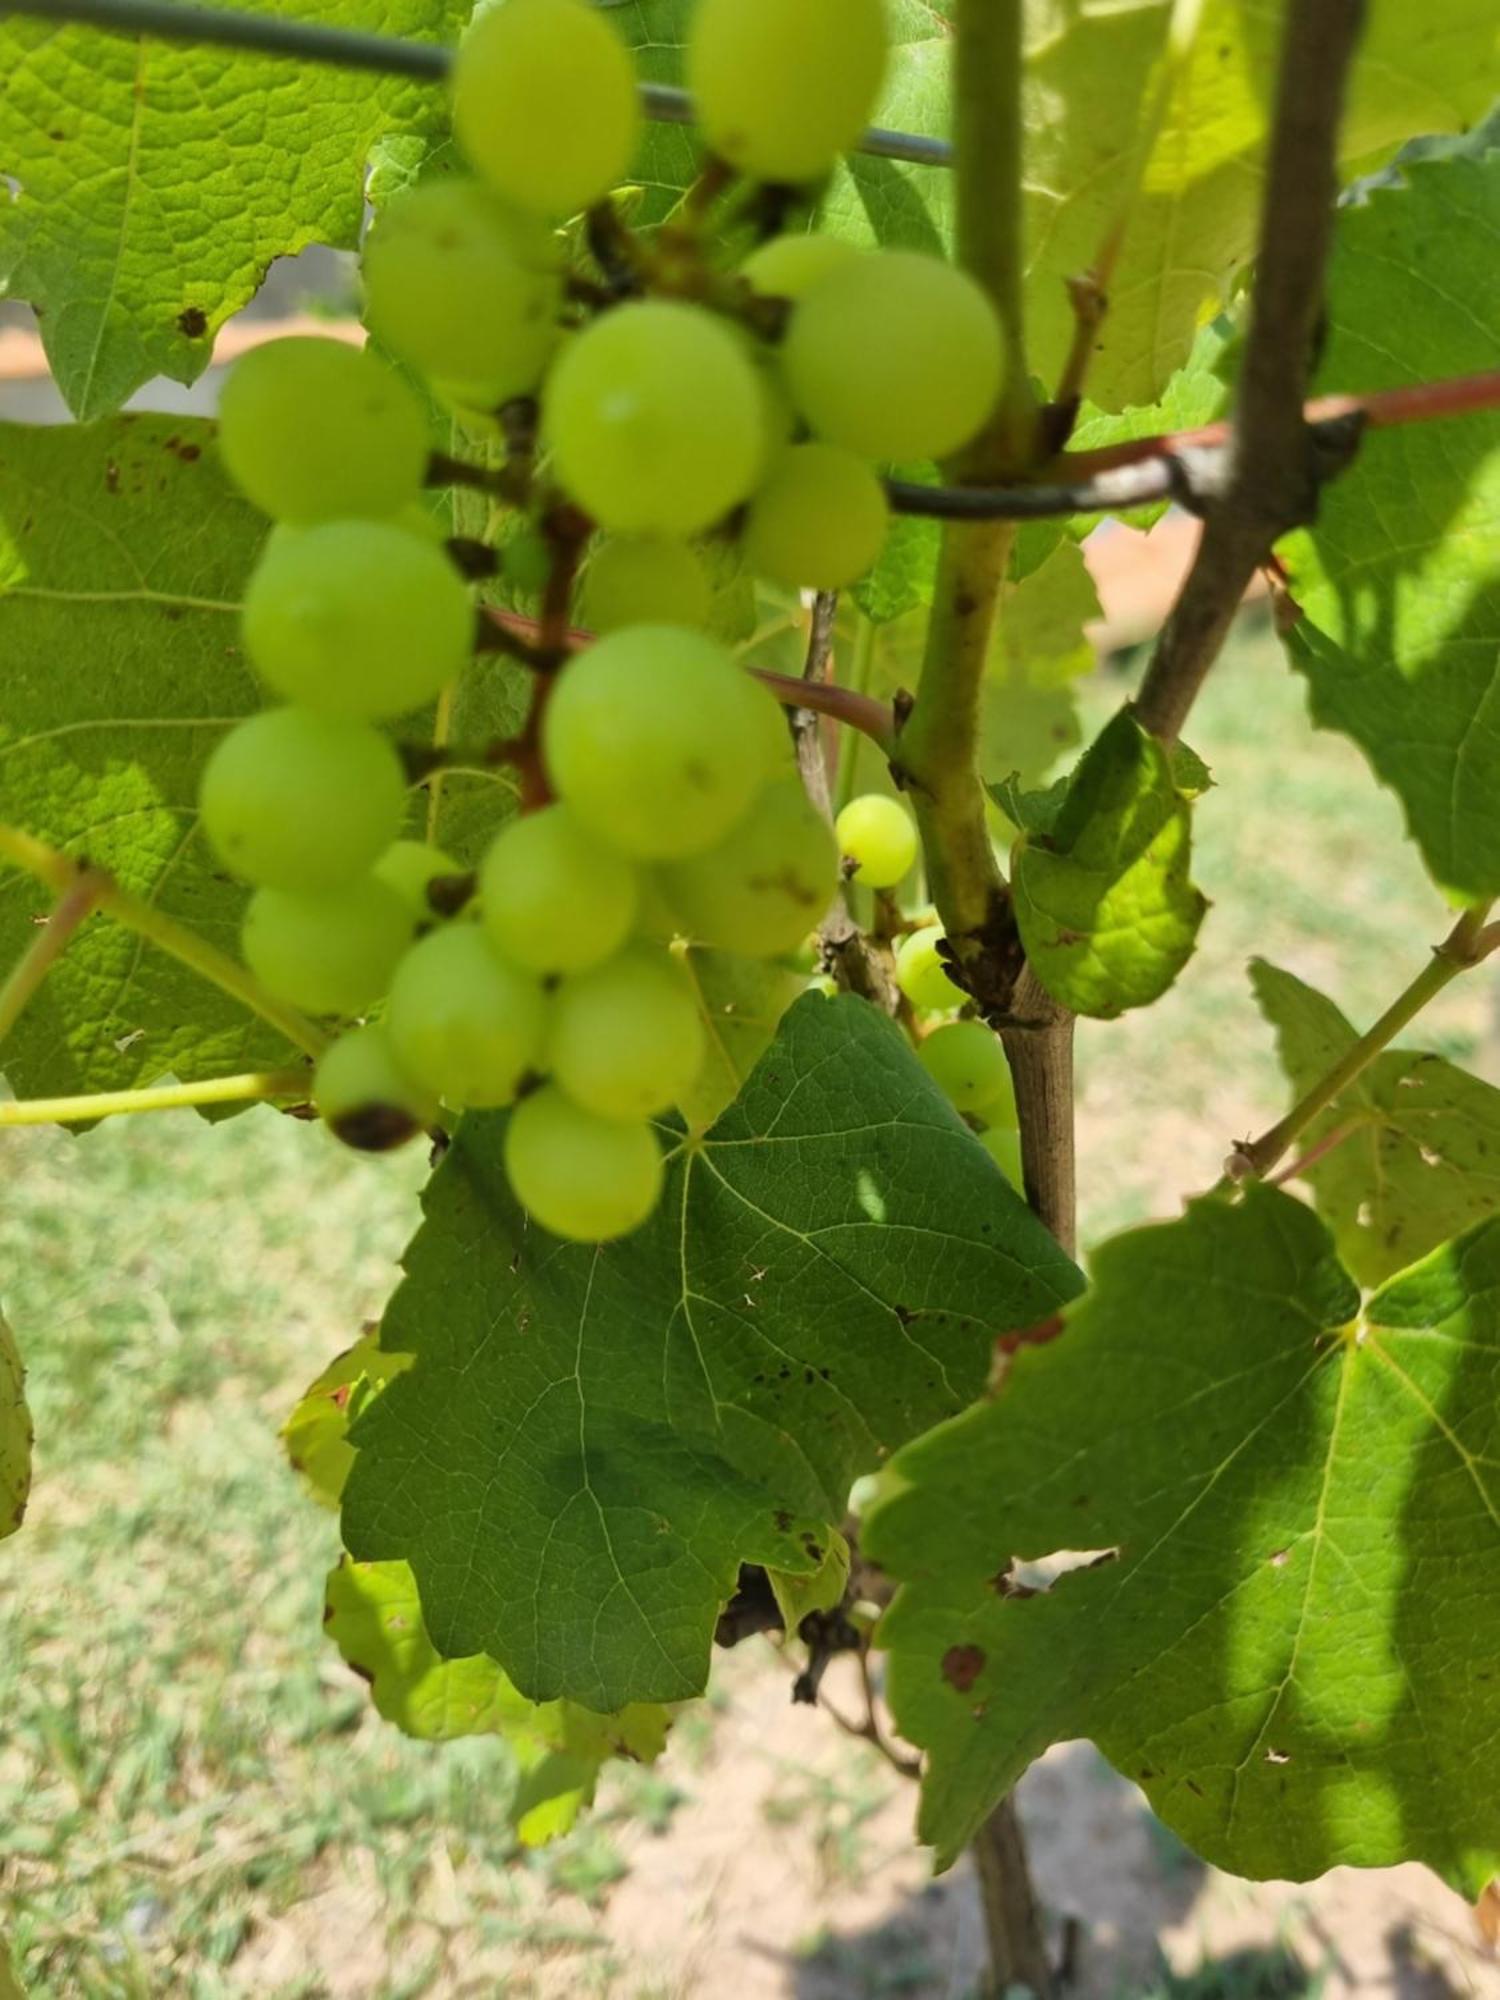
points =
(783, 1521)
(192, 321)
(962, 1666)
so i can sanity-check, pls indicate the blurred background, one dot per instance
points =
(195, 1796)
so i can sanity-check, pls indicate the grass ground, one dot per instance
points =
(195, 1798)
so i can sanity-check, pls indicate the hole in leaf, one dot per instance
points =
(1022, 1578)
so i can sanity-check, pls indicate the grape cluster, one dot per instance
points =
(666, 408)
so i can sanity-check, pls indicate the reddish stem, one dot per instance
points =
(1382, 409)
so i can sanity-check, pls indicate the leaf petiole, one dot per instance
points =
(62, 873)
(262, 1087)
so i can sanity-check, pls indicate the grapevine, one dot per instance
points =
(612, 723)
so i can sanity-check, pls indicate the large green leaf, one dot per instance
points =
(1399, 583)
(1420, 1158)
(122, 558)
(1093, 77)
(157, 182)
(1292, 1649)
(15, 1434)
(593, 1440)
(1103, 902)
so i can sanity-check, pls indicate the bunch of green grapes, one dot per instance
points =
(642, 439)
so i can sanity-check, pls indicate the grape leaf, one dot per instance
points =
(1091, 89)
(122, 557)
(740, 1001)
(15, 1434)
(1422, 1155)
(1102, 898)
(593, 1440)
(316, 1434)
(1288, 1632)
(1399, 582)
(797, 1596)
(157, 182)
(374, 1617)
(1041, 630)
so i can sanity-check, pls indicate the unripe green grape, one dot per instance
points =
(331, 953)
(464, 291)
(316, 430)
(464, 1023)
(646, 580)
(781, 87)
(410, 867)
(768, 882)
(293, 800)
(545, 103)
(357, 618)
(818, 521)
(918, 387)
(626, 1039)
(656, 419)
(878, 836)
(789, 266)
(967, 1063)
(365, 1098)
(586, 1179)
(646, 738)
(1004, 1148)
(555, 897)
(921, 975)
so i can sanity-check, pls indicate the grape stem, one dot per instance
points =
(62, 873)
(71, 911)
(1468, 944)
(286, 1085)
(1192, 468)
(857, 711)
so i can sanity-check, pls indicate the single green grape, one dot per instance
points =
(768, 882)
(781, 87)
(293, 800)
(545, 103)
(626, 1039)
(920, 389)
(585, 1178)
(646, 738)
(789, 266)
(411, 867)
(555, 897)
(316, 430)
(365, 1098)
(357, 618)
(464, 1023)
(1004, 1148)
(331, 953)
(967, 1063)
(921, 975)
(877, 835)
(463, 290)
(818, 521)
(645, 580)
(656, 419)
